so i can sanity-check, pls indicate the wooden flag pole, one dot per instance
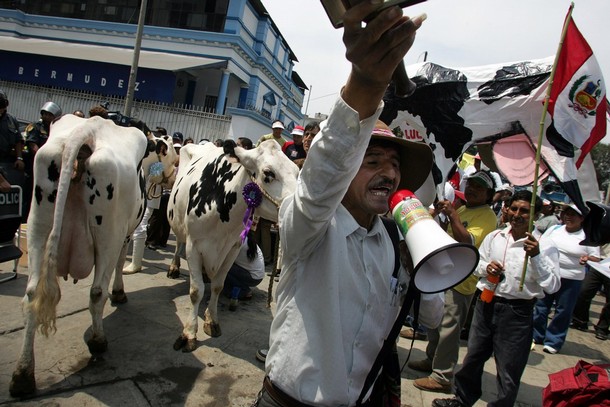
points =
(530, 226)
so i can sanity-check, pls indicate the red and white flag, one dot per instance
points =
(578, 101)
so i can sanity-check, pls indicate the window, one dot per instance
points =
(203, 15)
(66, 8)
(110, 10)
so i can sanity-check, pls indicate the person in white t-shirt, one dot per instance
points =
(572, 259)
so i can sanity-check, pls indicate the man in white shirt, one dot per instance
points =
(504, 326)
(334, 300)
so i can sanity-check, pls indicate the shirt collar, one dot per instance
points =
(349, 225)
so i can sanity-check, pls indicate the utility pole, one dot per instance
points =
(136, 59)
(308, 97)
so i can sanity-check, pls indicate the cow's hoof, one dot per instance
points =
(22, 383)
(173, 272)
(97, 346)
(118, 297)
(212, 329)
(190, 346)
(180, 342)
(187, 345)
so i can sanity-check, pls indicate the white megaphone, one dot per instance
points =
(440, 262)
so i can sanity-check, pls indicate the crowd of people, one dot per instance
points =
(337, 299)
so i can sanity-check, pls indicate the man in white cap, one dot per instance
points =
(277, 127)
(295, 150)
(263, 229)
(334, 299)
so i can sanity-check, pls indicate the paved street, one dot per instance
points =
(141, 368)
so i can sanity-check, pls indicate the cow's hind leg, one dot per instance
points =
(23, 381)
(174, 267)
(211, 326)
(118, 295)
(98, 295)
(188, 340)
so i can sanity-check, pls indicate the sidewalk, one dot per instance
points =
(141, 368)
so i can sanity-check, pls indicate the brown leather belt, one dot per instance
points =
(279, 396)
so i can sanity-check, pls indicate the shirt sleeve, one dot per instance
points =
(333, 160)
(545, 269)
(484, 255)
(593, 251)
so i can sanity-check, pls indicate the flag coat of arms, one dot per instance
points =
(578, 95)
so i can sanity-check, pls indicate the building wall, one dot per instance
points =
(256, 55)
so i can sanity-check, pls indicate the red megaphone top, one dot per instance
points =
(399, 196)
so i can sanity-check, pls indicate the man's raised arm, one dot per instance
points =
(375, 50)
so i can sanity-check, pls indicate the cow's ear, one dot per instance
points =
(245, 157)
(161, 147)
(150, 147)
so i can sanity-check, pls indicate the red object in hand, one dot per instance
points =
(490, 288)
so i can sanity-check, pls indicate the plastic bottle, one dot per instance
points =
(491, 282)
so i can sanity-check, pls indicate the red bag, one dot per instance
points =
(582, 385)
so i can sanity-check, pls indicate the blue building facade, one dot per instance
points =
(227, 56)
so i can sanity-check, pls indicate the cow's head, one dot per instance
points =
(160, 161)
(274, 173)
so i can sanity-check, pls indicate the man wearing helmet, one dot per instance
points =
(36, 134)
(11, 142)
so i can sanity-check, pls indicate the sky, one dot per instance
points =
(457, 33)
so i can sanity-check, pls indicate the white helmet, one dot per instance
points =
(52, 108)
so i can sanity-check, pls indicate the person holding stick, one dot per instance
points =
(504, 326)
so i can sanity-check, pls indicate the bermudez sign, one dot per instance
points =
(100, 77)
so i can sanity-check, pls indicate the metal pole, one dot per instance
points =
(136, 59)
(530, 226)
(308, 97)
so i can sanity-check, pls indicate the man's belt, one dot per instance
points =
(279, 396)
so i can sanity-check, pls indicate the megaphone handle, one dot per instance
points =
(403, 85)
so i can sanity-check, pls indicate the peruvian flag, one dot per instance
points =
(577, 101)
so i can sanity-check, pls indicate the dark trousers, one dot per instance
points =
(503, 329)
(554, 333)
(239, 277)
(594, 281)
(158, 225)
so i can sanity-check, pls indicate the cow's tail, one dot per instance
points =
(78, 148)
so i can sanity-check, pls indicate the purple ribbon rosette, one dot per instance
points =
(254, 197)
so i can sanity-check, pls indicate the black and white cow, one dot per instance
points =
(88, 198)
(206, 211)
(451, 109)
